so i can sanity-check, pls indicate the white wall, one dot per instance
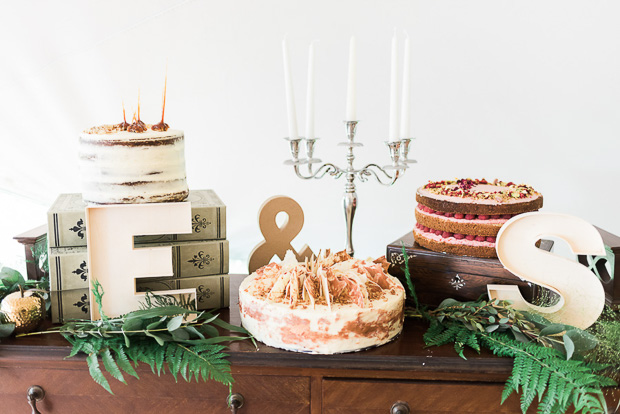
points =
(524, 91)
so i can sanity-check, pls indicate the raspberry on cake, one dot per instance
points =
(464, 216)
(328, 305)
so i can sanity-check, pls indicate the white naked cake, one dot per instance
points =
(127, 164)
(330, 305)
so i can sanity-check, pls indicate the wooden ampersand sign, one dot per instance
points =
(278, 239)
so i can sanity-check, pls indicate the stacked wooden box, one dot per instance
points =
(199, 259)
(438, 276)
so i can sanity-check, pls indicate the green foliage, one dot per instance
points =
(441, 334)
(607, 332)
(161, 334)
(543, 369)
(10, 281)
(39, 252)
(544, 373)
(499, 316)
(200, 361)
(538, 372)
(6, 328)
(410, 286)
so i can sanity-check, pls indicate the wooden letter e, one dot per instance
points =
(116, 263)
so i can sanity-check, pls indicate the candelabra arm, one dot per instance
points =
(321, 172)
(373, 170)
(386, 175)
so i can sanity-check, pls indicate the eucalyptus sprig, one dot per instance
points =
(500, 316)
(161, 334)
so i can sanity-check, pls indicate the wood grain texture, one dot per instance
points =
(73, 391)
(440, 275)
(342, 396)
(28, 239)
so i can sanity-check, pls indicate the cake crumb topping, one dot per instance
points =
(137, 127)
(467, 188)
(330, 278)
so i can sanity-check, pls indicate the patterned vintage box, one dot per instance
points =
(67, 228)
(211, 292)
(69, 267)
(70, 304)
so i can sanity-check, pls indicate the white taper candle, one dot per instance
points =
(351, 110)
(404, 107)
(310, 94)
(290, 96)
(393, 132)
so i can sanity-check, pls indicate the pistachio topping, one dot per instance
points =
(466, 188)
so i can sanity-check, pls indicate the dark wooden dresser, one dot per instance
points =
(429, 380)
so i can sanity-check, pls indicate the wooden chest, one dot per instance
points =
(402, 376)
(438, 276)
(607, 267)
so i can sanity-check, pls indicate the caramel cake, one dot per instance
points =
(133, 163)
(464, 216)
(330, 305)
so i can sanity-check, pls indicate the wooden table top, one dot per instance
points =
(405, 355)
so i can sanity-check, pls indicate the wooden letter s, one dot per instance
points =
(582, 296)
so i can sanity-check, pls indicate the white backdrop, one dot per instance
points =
(524, 91)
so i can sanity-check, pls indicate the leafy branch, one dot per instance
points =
(161, 334)
(499, 316)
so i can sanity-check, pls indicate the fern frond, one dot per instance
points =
(544, 372)
(123, 361)
(111, 366)
(95, 372)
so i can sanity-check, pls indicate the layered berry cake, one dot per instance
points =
(329, 305)
(464, 216)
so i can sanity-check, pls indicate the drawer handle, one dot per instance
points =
(235, 401)
(400, 407)
(35, 394)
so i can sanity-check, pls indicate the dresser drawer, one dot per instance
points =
(375, 396)
(73, 391)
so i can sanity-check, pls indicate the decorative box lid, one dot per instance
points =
(67, 226)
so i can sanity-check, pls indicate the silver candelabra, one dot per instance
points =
(387, 175)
